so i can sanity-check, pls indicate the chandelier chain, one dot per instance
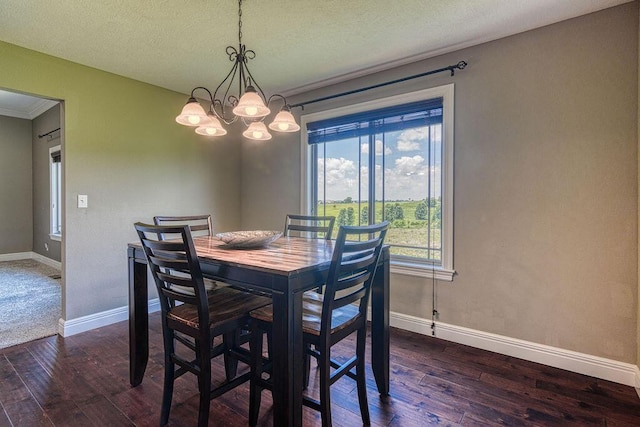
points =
(240, 22)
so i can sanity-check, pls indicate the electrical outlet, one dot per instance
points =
(83, 201)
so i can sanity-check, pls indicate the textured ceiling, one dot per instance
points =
(299, 43)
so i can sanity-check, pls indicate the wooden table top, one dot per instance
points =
(285, 255)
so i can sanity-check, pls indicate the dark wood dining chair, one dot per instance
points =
(319, 227)
(309, 226)
(199, 225)
(188, 310)
(328, 319)
(313, 226)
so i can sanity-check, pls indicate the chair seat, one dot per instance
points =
(225, 304)
(311, 314)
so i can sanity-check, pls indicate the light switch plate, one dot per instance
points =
(83, 201)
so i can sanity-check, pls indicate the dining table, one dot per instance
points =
(285, 269)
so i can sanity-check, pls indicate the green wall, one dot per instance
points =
(122, 148)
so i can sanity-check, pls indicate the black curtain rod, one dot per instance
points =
(452, 68)
(48, 133)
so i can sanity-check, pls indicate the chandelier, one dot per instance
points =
(248, 104)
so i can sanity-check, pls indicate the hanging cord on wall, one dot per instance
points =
(434, 311)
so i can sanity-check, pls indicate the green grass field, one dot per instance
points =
(404, 232)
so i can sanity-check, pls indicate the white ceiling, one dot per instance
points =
(23, 106)
(299, 44)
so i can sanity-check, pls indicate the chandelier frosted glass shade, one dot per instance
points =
(284, 122)
(192, 114)
(251, 105)
(257, 131)
(212, 128)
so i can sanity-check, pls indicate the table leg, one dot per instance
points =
(287, 355)
(380, 326)
(138, 321)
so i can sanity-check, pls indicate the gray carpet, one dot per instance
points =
(30, 301)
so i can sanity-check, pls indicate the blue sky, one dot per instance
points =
(406, 166)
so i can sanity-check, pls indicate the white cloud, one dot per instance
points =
(338, 170)
(410, 165)
(365, 148)
(409, 140)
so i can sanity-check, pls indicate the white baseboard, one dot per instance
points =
(70, 327)
(48, 261)
(607, 369)
(15, 256)
(599, 367)
(31, 255)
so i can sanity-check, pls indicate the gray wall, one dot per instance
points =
(15, 185)
(42, 124)
(546, 207)
(546, 180)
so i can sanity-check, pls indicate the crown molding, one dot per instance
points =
(32, 112)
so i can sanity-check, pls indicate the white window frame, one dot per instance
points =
(55, 195)
(446, 92)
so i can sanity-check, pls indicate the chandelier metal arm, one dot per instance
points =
(277, 95)
(193, 98)
(203, 88)
(251, 81)
(233, 100)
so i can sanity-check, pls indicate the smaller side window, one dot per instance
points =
(55, 181)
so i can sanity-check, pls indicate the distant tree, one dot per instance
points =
(348, 200)
(364, 215)
(393, 212)
(351, 216)
(399, 213)
(342, 217)
(436, 216)
(422, 210)
(389, 213)
(430, 209)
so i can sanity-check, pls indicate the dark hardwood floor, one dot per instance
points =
(83, 381)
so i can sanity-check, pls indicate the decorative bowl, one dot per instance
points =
(249, 239)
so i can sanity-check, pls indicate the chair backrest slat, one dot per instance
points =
(320, 227)
(179, 296)
(171, 263)
(353, 266)
(172, 279)
(350, 298)
(199, 225)
(162, 245)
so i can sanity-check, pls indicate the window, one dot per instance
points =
(55, 168)
(389, 159)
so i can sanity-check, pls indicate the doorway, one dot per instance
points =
(31, 142)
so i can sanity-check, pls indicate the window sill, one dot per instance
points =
(56, 237)
(421, 270)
